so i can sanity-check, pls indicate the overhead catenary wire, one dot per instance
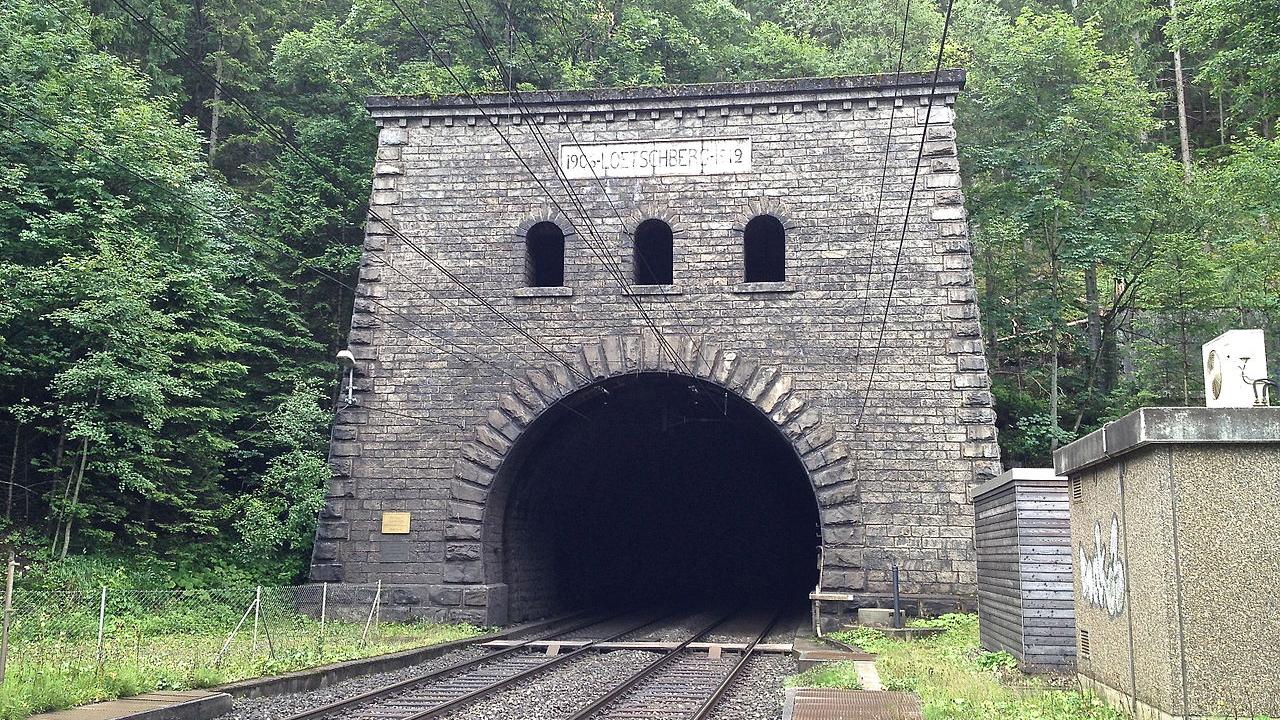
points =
(385, 411)
(386, 223)
(613, 266)
(493, 123)
(906, 218)
(884, 175)
(460, 353)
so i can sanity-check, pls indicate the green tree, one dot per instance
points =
(134, 316)
(1064, 191)
(279, 517)
(1239, 43)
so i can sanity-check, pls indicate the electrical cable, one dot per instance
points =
(477, 27)
(906, 217)
(465, 355)
(493, 123)
(884, 174)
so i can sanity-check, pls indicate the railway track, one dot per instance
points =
(436, 692)
(679, 683)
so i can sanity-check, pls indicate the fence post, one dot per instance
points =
(102, 619)
(377, 610)
(8, 612)
(373, 609)
(266, 627)
(257, 614)
(324, 610)
(218, 660)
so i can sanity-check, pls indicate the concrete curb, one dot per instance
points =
(210, 706)
(325, 675)
(164, 705)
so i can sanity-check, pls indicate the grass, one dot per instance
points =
(52, 673)
(956, 680)
(841, 675)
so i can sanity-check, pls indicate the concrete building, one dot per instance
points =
(721, 356)
(1173, 522)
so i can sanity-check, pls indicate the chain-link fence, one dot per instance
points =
(184, 638)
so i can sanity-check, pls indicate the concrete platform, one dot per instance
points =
(169, 705)
(831, 704)
(810, 651)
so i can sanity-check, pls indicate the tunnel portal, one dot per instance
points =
(564, 436)
(654, 488)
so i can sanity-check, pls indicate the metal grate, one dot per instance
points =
(1077, 489)
(1084, 645)
(825, 704)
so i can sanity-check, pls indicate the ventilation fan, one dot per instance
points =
(1232, 362)
(1213, 373)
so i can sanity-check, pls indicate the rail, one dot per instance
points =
(676, 684)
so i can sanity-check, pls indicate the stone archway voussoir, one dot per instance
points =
(766, 387)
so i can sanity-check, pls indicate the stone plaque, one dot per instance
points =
(394, 550)
(699, 156)
(395, 523)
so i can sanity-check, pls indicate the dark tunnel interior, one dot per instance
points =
(661, 489)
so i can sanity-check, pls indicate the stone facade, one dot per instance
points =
(890, 467)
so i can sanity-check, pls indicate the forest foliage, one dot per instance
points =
(182, 198)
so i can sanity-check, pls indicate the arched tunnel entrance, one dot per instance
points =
(652, 488)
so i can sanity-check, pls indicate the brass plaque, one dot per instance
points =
(395, 523)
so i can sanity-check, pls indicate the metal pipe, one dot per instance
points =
(897, 600)
(324, 609)
(8, 611)
(257, 615)
(102, 621)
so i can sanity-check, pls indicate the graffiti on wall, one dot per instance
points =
(1102, 571)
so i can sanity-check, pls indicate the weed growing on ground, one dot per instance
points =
(828, 675)
(65, 674)
(956, 680)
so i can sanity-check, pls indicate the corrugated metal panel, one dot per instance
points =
(999, 592)
(1023, 535)
(1044, 526)
(829, 704)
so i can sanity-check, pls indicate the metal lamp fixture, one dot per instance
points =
(348, 362)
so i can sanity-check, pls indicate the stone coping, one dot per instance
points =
(781, 286)
(543, 291)
(1164, 425)
(1012, 476)
(948, 81)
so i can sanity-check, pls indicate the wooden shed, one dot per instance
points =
(1025, 593)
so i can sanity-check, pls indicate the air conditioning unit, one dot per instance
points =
(1232, 361)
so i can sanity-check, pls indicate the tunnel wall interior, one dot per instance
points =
(874, 402)
(661, 490)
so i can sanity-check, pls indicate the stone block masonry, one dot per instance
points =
(893, 422)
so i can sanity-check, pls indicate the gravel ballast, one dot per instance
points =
(283, 706)
(559, 692)
(675, 629)
(757, 694)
